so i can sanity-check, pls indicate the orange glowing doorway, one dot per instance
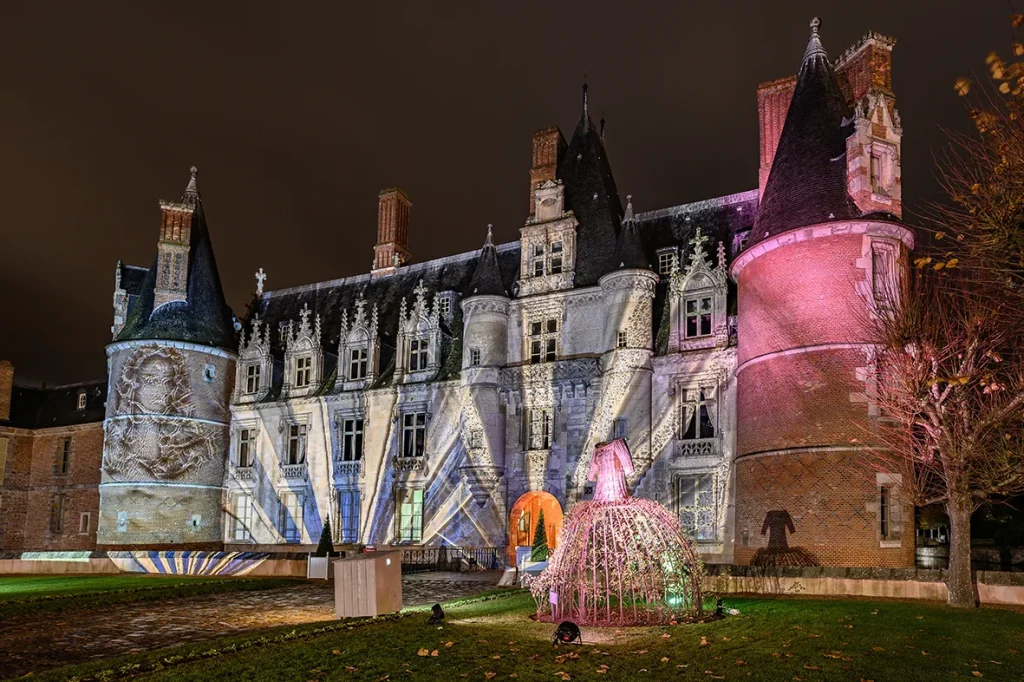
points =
(522, 522)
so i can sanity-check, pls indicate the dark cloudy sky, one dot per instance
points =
(297, 114)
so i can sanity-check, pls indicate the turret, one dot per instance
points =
(805, 286)
(172, 371)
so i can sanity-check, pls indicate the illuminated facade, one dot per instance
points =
(421, 403)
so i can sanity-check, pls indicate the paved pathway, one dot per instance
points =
(53, 639)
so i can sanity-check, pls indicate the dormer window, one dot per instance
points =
(445, 301)
(81, 400)
(556, 258)
(538, 260)
(698, 316)
(357, 363)
(666, 261)
(543, 341)
(303, 371)
(252, 378)
(418, 353)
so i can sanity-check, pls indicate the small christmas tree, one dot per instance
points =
(325, 547)
(540, 540)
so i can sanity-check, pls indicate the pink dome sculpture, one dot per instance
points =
(621, 560)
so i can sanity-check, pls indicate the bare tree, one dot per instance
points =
(950, 390)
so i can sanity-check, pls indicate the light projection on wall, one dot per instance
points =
(188, 563)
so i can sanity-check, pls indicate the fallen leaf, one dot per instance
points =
(336, 652)
(739, 662)
(664, 659)
(811, 667)
(350, 669)
(703, 641)
(878, 648)
(666, 636)
(448, 645)
(434, 652)
(423, 652)
(977, 673)
(495, 658)
(489, 676)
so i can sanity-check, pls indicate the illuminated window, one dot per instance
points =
(58, 508)
(698, 316)
(418, 354)
(698, 415)
(356, 364)
(348, 513)
(695, 498)
(414, 433)
(539, 429)
(62, 461)
(666, 260)
(296, 444)
(243, 517)
(291, 517)
(252, 378)
(410, 515)
(303, 370)
(246, 447)
(543, 341)
(352, 440)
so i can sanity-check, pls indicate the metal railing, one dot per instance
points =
(420, 559)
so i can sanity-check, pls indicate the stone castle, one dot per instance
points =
(451, 401)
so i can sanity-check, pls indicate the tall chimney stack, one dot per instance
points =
(548, 147)
(394, 214)
(174, 245)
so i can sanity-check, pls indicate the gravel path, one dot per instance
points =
(61, 638)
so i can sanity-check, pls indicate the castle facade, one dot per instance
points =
(451, 401)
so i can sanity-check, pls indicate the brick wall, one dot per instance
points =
(805, 495)
(31, 485)
(773, 100)
(6, 384)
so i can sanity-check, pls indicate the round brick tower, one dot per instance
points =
(166, 432)
(807, 287)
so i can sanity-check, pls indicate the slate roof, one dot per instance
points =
(591, 194)
(454, 273)
(40, 408)
(629, 249)
(205, 317)
(807, 183)
(487, 279)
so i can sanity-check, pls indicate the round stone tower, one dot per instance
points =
(485, 313)
(808, 285)
(166, 432)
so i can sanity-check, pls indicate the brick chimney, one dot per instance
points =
(548, 148)
(773, 100)
(6, 385)
(873, 151)
(394, 214)
(174, 245)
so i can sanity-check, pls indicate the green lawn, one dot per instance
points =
(771, 639)
(23, 595)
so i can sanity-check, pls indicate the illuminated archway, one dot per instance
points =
(522, 521)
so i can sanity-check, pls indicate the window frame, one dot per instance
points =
(419, 353)
(542, 340)
(348, 523)
(62, 458)
(243, 514)
(474, 357)
(303, 370)
(352, 439)
(698, 506)
(358, 358)
(699, 315)
(246, 442)
(539, 428)
(414, 434)
(297, 436)
(704, 400)
(292, 516)
(410, 506)
(253, 377)
(58, 512)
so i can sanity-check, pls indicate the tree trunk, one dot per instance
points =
(959, 582)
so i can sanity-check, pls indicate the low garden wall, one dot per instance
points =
(993, 587)
(249, 564)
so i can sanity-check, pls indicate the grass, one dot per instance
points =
(772, 639)
(25, 595)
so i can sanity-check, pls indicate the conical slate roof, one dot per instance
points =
(629, 249)
(807, 183)
(590, 193)
(487, 276)
(204, 317)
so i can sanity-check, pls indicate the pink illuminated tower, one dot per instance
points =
(826, 247)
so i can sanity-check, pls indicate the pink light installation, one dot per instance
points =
(622, 560)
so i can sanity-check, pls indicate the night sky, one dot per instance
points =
(297, 115)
